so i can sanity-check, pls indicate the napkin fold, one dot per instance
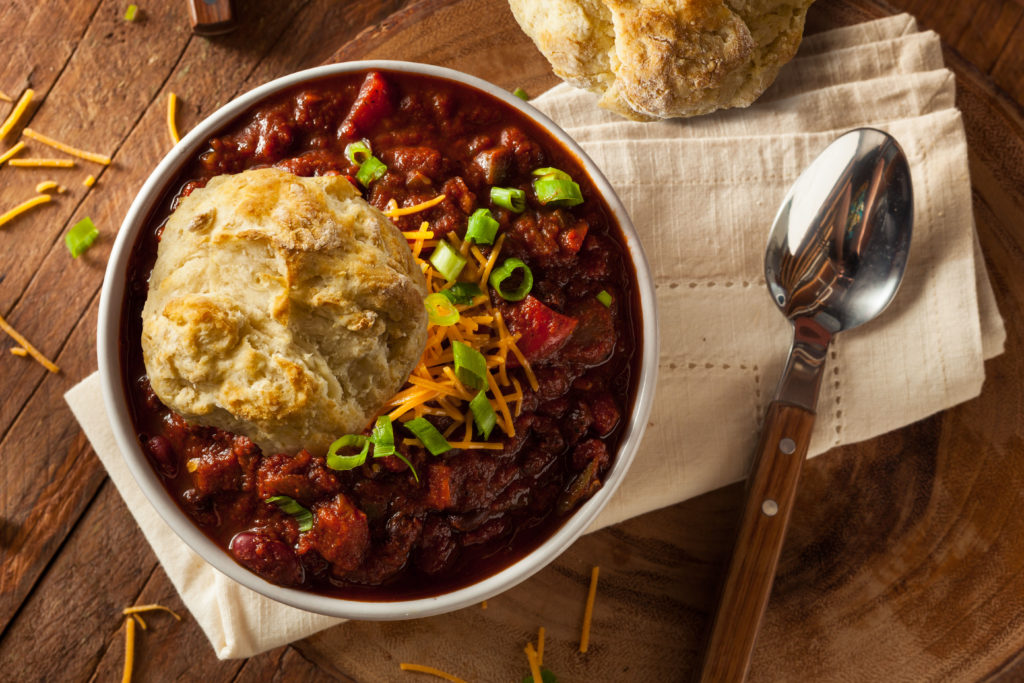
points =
(702, 194)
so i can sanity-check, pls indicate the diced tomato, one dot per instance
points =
(373, 102)
(572, 239)
(543, 330)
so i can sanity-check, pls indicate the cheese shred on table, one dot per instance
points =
(531, 656)
(588, 611)
(540, 646)
(23, 207)
(432, 387)
(5, 97)
(89, 181)
(16, 113)
(430, 670)
(131, 615)
(11, 152)
(129, 649)
(67, 149)
(46, 185)
(43, 163)
(172, 111)
(31, 350)
(394, 213)
(19, 351)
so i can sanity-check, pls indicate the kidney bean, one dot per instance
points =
(269, 558)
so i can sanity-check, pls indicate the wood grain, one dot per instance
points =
(903, 559)
(748, 582)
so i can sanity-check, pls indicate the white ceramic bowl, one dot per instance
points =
(117, 407)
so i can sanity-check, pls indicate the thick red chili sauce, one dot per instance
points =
(377, 534)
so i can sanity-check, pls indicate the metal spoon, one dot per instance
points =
(835, 257)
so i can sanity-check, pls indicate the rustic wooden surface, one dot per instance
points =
(904, 557)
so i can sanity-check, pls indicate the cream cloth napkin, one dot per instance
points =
(702, 194)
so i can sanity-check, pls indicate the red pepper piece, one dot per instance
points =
(543, 330)
(373, 103)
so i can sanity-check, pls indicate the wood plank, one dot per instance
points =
(1008, 71)
(977, 30)
(61, 635)
(168, 649)
(94, 106)
(283, 665)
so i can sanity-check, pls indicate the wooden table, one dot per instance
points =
(904, 560)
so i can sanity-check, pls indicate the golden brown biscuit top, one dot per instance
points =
(283, 308)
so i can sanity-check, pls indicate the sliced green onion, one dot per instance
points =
(291, 507)
(557, 192)
(441, 309)
(130, 13)
(484, 416)
(447, 261)
(521, 94)
(482, 227)
(428, 435)
(81, 236)
(470, 366)
(504, 272)
(370, 170)
(549, 172)
(546, 675)
(511, 198)
(348, 462)
(604, 297)
(461, 293)
(383, 438)
(358, 152)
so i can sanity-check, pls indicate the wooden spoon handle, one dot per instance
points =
(211, 17)
(771, 492)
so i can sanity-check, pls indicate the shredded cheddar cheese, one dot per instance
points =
(483, 605)
(430, 670)
(172, 111)
(396, 212)
(23, 207)
(43, 163)
(67, 149)
(531, 656)
(19, 109)
(132, 615)
(16, 336)
(588, 611)
(5, 97)
(46, 185)
(150, 608)
(433, 388)
(129, 649)
(11, 152)
(19, 351)
(89, 181)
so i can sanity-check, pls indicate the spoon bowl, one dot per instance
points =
(839, 243)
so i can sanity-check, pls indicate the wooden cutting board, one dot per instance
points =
(904, 557)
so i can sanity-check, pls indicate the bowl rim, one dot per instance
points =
(108, 356)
